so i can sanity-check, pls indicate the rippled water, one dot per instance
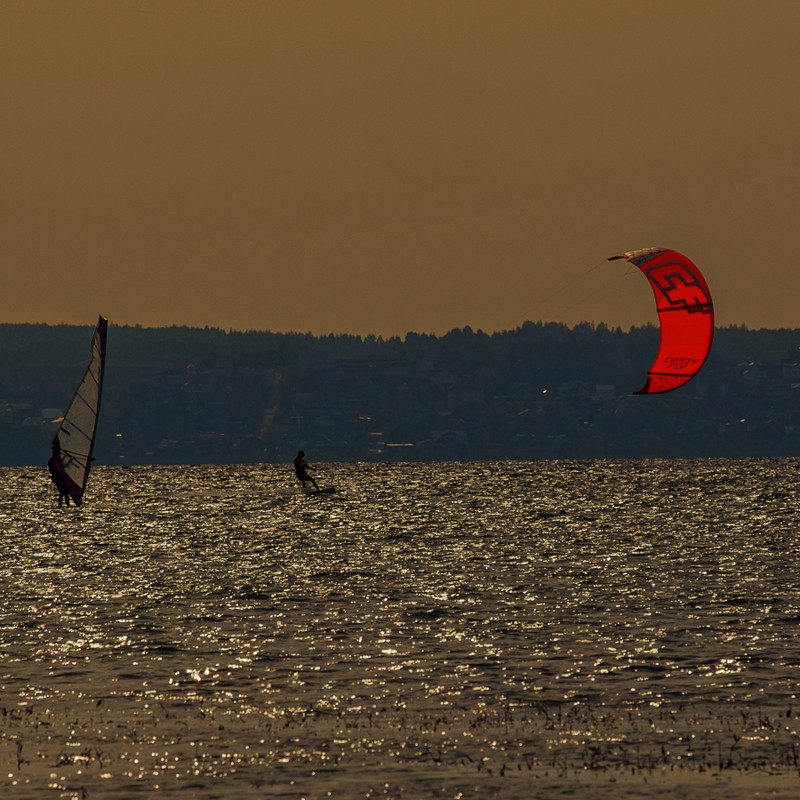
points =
(591, 629)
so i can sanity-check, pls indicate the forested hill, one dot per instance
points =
(188, 395)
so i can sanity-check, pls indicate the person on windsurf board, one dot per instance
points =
(55, 475)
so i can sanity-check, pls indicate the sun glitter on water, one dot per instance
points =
(429, 630)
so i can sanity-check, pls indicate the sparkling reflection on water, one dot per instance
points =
(615, 629)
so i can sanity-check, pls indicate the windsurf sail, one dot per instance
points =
(685, 313)
(74, 442)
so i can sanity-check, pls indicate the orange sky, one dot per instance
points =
(378, 167)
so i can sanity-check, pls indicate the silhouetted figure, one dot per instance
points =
(55, 475)
(301, 467)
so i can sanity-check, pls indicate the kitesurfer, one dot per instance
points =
(301, 467)
(55, 475)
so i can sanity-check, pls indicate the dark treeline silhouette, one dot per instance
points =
(190, 395)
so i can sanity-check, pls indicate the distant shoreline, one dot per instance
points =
(184, 395)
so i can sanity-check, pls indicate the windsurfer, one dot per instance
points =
(301, 467)
(55, 475)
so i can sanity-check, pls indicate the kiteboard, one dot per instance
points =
(328, 490)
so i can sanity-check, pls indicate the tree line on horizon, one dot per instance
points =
(540, 391)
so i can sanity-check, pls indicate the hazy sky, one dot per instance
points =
(378, 167)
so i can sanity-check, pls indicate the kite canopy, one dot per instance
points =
(685, 312)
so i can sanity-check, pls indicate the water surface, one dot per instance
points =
(593, 629)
